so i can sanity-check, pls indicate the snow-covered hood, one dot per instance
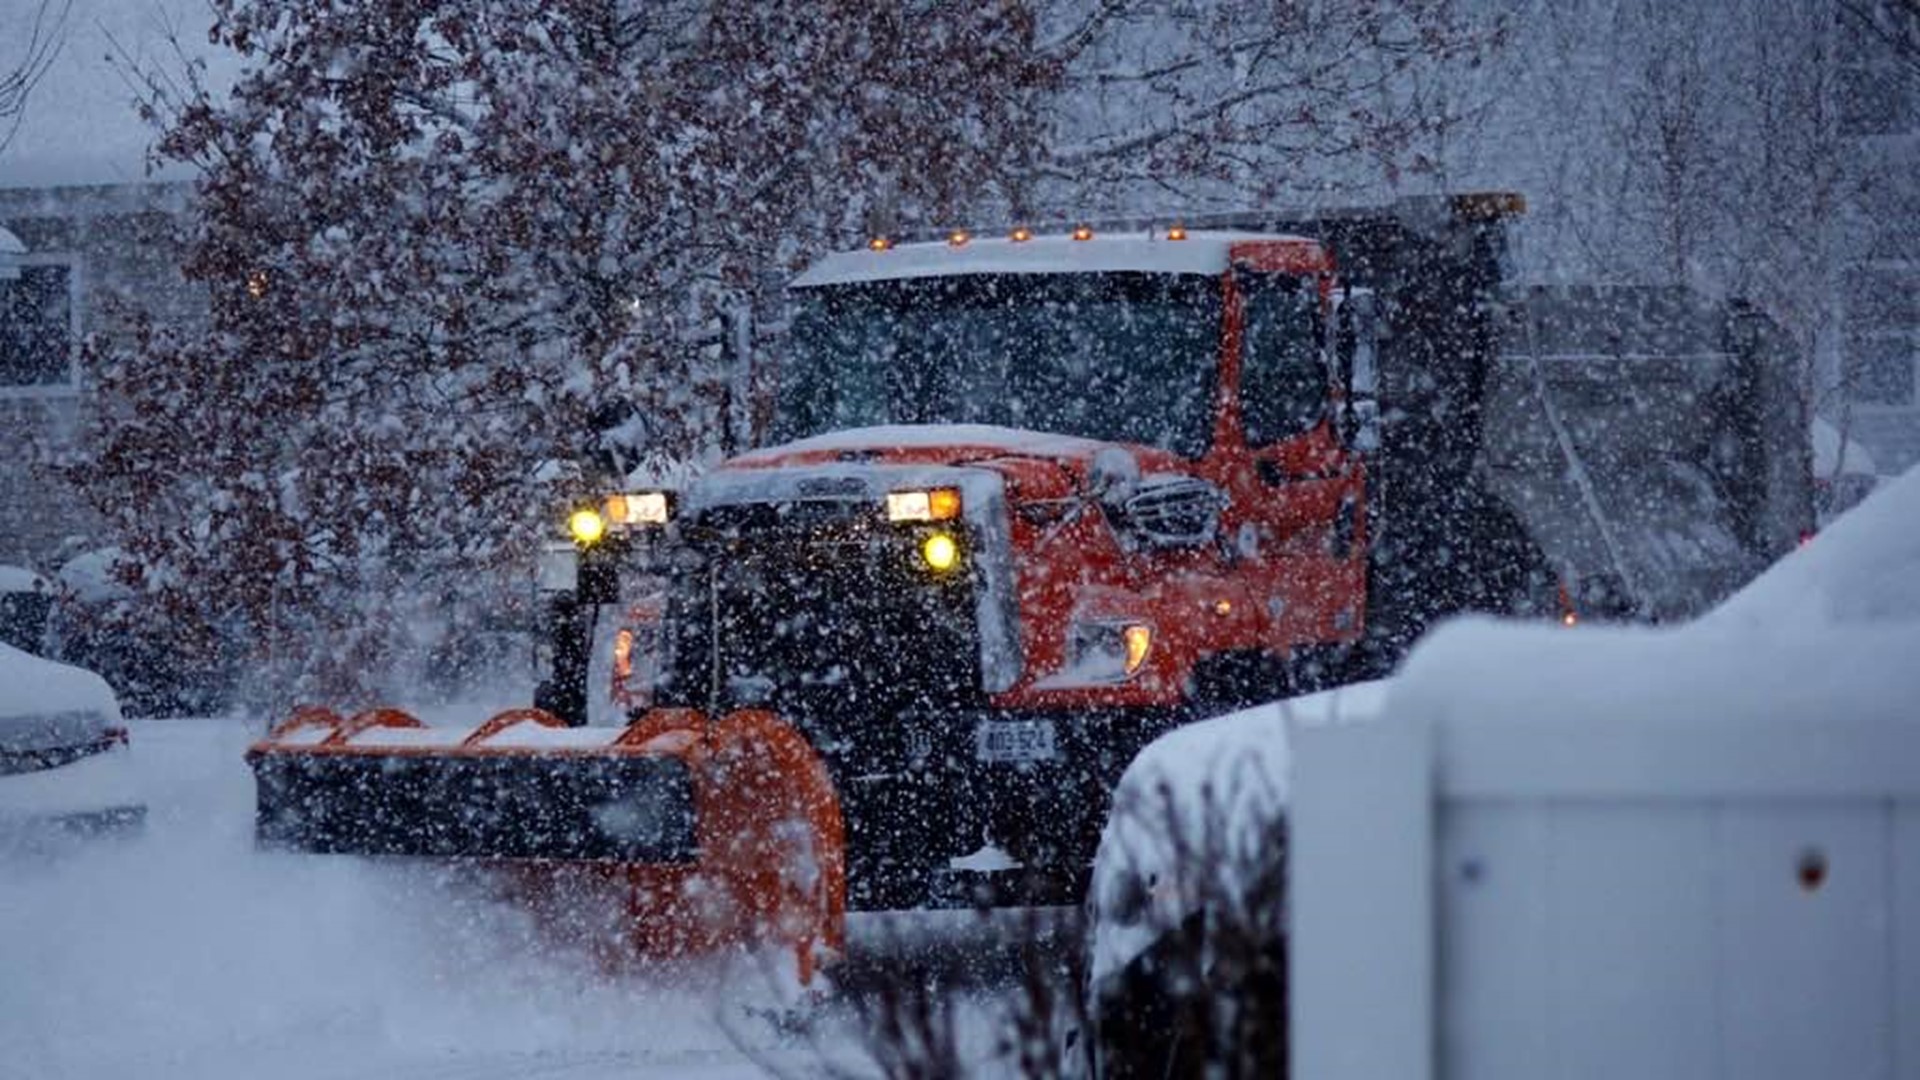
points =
(1034, 464)
(47, 706)
(924, 444)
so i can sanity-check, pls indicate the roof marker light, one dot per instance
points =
(958, 238)
(1083, 232)
(1177, 232)
(880, 243)
(1020, 235)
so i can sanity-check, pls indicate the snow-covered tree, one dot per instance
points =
(440, 237)
(437, 235)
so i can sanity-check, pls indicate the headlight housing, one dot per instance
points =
(924, 504)
(1108, 650)
(637, 508)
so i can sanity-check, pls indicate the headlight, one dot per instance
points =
(639, 508)
(926, 504)
(1107, 651)
(941, 552)
(587, 526)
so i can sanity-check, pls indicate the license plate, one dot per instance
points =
(1014, 740)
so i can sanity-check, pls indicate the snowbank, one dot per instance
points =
(1228, 777)
(1864, 568)
(1829, 635)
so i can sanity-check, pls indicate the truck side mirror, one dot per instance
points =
(1356, 356)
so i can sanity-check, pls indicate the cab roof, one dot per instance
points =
(1201, 252)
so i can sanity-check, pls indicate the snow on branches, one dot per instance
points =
(436, 235)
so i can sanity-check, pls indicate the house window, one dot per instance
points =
(36, 327)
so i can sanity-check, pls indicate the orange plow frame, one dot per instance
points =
(770, 867)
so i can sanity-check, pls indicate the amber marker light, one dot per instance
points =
(623, 655)
(1138, 638)
(880, 243)
(1177, 232)
(1083, 232)
(958, 238)
(1020, 235)
(941, 552)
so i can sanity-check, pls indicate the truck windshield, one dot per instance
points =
(1123, 357)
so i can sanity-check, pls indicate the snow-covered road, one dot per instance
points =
(181, 951)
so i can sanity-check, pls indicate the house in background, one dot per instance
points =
(1880, 111)
(76, 248)
(82, 221)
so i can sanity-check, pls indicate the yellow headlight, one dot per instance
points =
(940, 551)
(586, 525)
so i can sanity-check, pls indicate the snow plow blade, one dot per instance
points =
(713, 831)
(630, 808)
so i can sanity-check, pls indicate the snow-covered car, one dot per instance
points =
(1187, 905)
(60, 731)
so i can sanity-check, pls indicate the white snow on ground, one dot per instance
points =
(181, 952)
(184, 952)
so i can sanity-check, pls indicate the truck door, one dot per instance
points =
(1301, 529)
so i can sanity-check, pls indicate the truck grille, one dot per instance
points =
(813, 607)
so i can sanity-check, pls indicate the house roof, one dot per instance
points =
(81, 125)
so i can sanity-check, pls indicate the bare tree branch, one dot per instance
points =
(45, 35)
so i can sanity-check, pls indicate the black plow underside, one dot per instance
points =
(613, 808)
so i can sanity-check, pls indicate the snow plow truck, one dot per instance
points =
(1025, 501)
